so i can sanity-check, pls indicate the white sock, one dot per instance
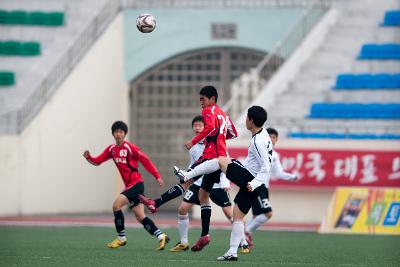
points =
(236, 236)
(256, 222)
(183, 226)
(208, 166)
(243, 241)
(121, 236)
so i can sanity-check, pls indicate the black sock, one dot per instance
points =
(172, 193)
(119, 222)
(205, 219)
(150, 227)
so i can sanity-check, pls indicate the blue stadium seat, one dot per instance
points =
(392, 18)
(367, 81)
(301, 135)
(380, 51)
(355, 111)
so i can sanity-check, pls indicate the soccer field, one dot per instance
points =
(85, 246)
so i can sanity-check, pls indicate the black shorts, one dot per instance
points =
(245, 199)
(217, 195)
(238, 174)
(133, 194)
(262, 205)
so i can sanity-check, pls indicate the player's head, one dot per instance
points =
(119, 129)
(256, 117)
(197, 124)
(208, 96)
(273, 134)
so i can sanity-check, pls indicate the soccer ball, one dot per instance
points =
(146, 23)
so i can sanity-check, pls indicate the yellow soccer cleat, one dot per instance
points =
(245, 249)
(163, 242)
(180, 247)
(116, 243)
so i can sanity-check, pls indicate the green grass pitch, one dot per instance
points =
(85, 246)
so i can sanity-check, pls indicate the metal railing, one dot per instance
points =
(245, 88)
(48, 85)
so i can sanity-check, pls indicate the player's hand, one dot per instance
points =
(86, 154)
(188, 144)
(296, 177)
(249, 188)
(160, 182)
(226, 189)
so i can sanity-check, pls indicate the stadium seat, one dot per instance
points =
(301, 135)
(380, 51)
(19, 17)
(367, 81)
(392, 18)
(7, 78)
(15, 48)
(355, 111)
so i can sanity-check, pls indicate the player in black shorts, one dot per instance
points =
(249, 176)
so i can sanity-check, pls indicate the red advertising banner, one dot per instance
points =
(336, 167)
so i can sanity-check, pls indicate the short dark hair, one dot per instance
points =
(258, 115)
(198, 118)
(209, 91)
(272, 131)
(119, 125)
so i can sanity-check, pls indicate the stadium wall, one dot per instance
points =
(77, 117)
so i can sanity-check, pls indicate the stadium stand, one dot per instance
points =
(7, 78)
(368, 81)
(364, 95)
(392, 18)
(17, 48)
(380, 51)
(20, 17)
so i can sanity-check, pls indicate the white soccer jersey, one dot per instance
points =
(277, 169)
(194, 153)
(259, 158)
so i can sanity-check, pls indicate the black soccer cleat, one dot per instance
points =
(178, 172)
(227, 258)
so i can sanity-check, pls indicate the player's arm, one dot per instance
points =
(209, 126)
(231, 130)
(264, 157)
(104, 156)
(277, 169)
(147, 164)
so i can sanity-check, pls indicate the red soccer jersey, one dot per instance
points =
(217, 128)
(126, 158)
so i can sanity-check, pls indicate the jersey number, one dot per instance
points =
(188, 195)
(264, 202)
(222, 129)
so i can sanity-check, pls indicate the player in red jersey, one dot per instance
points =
(218, 127)
(126, 157)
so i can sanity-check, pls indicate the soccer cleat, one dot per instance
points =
(249, 239)
(179, 173)
(163, 242)
(180, 247)
(245, 249)
(149, 203)
(201, 243)
(227, 258)
(116, 243)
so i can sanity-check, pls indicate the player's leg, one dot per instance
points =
(236, 235)
(149, 226)
(202, 167)
(183, 226)
(173, 192)
(205, 208)
(262, 212)
(119, 221)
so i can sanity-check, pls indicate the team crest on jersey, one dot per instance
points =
(123, 153)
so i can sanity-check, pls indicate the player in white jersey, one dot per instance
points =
(262, 210)
(249, 176)
(218, 194)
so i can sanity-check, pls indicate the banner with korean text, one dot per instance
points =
(364, 211)
(330, 168)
